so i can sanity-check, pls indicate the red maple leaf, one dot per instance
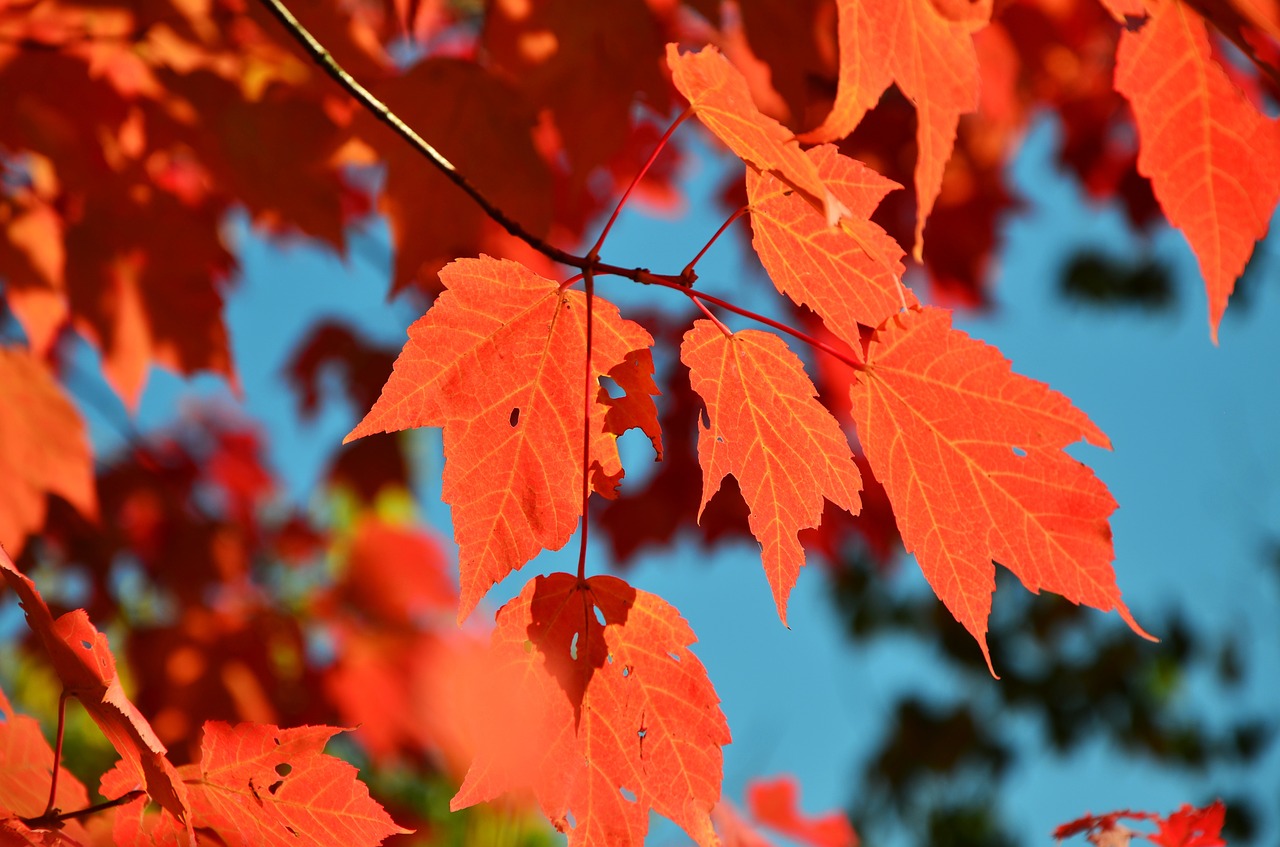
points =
(44, 449)
(598, 707)
(84, 664)
(258, 785)
(719, 96)
(768, 429)
(971, 457)
(928, 51)
(26, 768)
(1213, 158)
(498, 363)
(849, 274)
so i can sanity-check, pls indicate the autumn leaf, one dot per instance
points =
(1212, 157)
(776, 804)
(927, 49)
(971, 457)
(498, 363)
(849, 274)
(258, 785)
(83, 661)
(44, 449)
(598, 706)
(719, 96)
(1187, 827)
(768, 429)
(26, 769)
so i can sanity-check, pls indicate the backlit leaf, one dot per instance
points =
(599, 707)
(44, 449)
(971, 456)
(932, 59)
(498, 363)
(720, 98)
(849, 274)
(768, 429)
(1212, 157)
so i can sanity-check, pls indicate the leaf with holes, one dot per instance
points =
(768, 429)
(598, 706)
(498, 363)
(83, 661)
(260, 786)
(971, 456)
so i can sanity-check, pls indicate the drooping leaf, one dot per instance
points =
(768, 429)
(498, 363)
(83, 661)
(599, 707)
(930, 55)
(44, 449)
(1212, 157)
(720, 98)
(971, 456)
(849, 274)
(258, 785)
(776, 804)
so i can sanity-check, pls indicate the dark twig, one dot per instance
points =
(53, 817)
(379, 109)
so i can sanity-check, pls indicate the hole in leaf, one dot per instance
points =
(600, 616)
(627, 794)
(275, 786)
(86, 645)
(706, 420)
(626, 670)
(292, 831)
(642, 732)
(615, 391)
(515, 416)
(573, 823)
(673, 656)
(719, 440)
(573, 647)
(1018, 451)
(284, 769)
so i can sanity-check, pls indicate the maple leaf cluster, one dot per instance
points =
(135, 131)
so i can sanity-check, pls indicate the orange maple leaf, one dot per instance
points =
(26, 768)
(1212, 157)
(83, 661)
(971, 456)
(928, 51)
(498, 363)
(598, 706)
(720, 97)
(44, 449)
(849, 274)
(768, 429)
(776, 803)
(258, 785)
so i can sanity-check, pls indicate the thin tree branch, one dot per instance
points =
(53, 817)
(380, 110)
